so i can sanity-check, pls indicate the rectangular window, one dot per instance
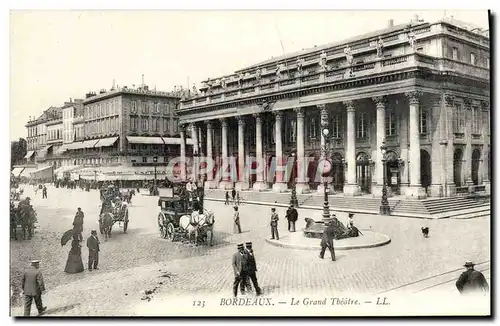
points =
(336, 132)
(144, 160)
(145, 125)
(454, 53)
(157, 107)
(361, 130)
(133, 107)
(390, 123)
(145, 107)
(472, 58)
(423, 123)
(165, 125)
(313, 128)
(166, 108)
(476, 120)
(156, 124)
(292, 130)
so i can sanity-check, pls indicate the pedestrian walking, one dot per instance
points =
(227, 198)
(239, 266)
(78, 224)
(238, 199)
(291, 216)
(236, 219)
(233, 194)
(44, 192)
(74, 264)
(33, 287)
(93, 245)
(327, 241)
(472, 281)
(274, 224)
(251, 269)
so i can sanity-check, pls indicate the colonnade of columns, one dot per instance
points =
(410, 155)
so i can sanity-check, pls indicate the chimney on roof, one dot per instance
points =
(390, 23)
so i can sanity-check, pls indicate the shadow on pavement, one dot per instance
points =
(61, 309)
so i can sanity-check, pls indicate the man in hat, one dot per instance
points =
(327, 241)
(350, 221)
(93, 245)
(291, 216)
(78, 224)
(353, 231)
(471, 281)
(239, 268)
(251, 269)
(33, 287)
(274, 224)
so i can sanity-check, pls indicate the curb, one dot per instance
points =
(318, 247)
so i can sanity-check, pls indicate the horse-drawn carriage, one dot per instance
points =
(113, 212)
(180, 219)
(22, 218)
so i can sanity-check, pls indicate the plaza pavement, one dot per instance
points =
(138, 261)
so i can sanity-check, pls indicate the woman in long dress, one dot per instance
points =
(236, 219)
(74, 264)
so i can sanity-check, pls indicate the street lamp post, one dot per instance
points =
(155, 160)
(326, 169)
(385, 209)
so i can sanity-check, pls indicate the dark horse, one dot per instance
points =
(106, 224)
(25, 216)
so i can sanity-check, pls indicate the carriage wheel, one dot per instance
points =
(161, 225)
(169, 234)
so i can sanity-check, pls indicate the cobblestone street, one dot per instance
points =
(139, 260)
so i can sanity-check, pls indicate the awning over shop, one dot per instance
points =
(46, 168)
(145, 140)
(29, 154)
(17, 171)
(62, 149)
(106, 142)
(66, 168)
(90, 143)
(76, 145)
(27, 172)
(176, 141)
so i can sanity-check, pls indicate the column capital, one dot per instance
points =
(278, 114)
(467, 103)
(300, 113)
(258, 117)
(209, 124)
(321, 106)
(449, 99)
(223, 122)
(241, 120)
(413, 97)
(182, 127)
(380, 101)
(349, 105)
(485, 105)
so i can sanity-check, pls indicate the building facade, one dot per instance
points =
(423, 89)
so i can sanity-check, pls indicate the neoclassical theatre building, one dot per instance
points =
(422, 89)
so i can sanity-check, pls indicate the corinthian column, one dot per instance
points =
(225, 183)
(302, 186)
(280, 185)
(415, 189)
(468, 142)
(194, 137)
(351, 188)
(380, 103)
(242, 183)
(485, 164)
(447, 143)
(210, 172)
(259, 184)
(183, 152)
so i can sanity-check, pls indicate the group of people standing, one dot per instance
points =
(74, 264)
(245, 269)
(235, 195)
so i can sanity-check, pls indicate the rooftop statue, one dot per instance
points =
(380, 47)
(348, 55)
(223, 83)
(322, 61)
(411, 39)
(300, 64)
(258, 74)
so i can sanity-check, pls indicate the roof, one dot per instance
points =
(353, 39)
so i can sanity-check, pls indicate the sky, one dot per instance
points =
(58, 55)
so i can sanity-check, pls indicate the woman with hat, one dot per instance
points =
(236, 219)
(74, 264)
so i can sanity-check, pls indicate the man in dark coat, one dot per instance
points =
(251, 269)
(44, 192)
(78, 223)
(93, 245)
(233, 194)
(239, 267)
(33, 287)
(291, 216)
(327, 241)
(472, 281)
(274, 224)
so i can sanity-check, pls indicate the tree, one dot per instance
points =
(17, 151)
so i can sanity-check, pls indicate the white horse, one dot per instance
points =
(196, 224)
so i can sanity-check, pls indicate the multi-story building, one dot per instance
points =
(421, 88)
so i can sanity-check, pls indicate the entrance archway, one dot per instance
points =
(363, 172)
(392, 172)
(457, 166)
(293, 173)
(425, 169)
(271, 170)
(476, 156)
(337, 173)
